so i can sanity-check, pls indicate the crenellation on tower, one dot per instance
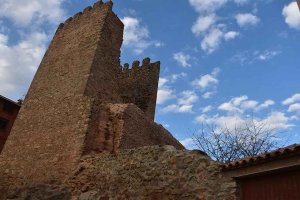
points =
(139, 84)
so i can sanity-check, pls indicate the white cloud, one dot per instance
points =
(244, 19)
(278, 120)
(184, 103)
(164, 95)
(231, 35)
(294, 108)
(137, 36)
(291, 100)
(207, 109)
(265, 105)
(19, 62)
(207, 95)
(174, 108)
(203, 23)
(25, 12)
(183, 59)
(174, 77)
(241, 2)
(267, 55)
(188, 97)
(212, 40)
(230, 122)
(274, 121)
(248, 57)
(212, 34)
(207, 81)
(248, 105)
(243, 103)
(188, 143)
(292, 15)
(207, 5)
(164, 92)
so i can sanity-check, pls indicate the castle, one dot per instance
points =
(86, 123)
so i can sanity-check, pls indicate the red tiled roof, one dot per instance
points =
(266, 157)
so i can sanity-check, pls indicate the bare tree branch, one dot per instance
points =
(225, 145)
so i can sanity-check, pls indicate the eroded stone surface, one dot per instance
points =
(151, 173)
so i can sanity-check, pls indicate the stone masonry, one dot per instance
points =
(86, 129)
(69, 109)
(146, 173)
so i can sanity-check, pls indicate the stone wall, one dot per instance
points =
(144, 173)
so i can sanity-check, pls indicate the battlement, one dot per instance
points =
(139, 84)
(136, 67)
(98, 5)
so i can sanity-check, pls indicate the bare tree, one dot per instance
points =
(228, 144)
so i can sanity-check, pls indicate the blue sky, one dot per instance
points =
(223, 61)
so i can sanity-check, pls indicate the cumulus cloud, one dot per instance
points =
(26, 12)
(164, 92)
(241, 2)
(292, 99)
(208, 95)
(242, 103)
(207, 81)
(203, 23)
(231, 35)
(291, 15)
(182, 59)
(267, 55)
(19, 62)
(188, 143)
(265, 105)
(184, 103)
(137, 36)
(212, 40)
(207, 5)
(207, 109)
(248, 57)
(274, 121)
(245, 19)
(207, 28)
(294, 108)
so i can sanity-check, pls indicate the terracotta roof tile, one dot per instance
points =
(265, 157)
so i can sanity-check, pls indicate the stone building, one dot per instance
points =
(86, 128)
(8, 113)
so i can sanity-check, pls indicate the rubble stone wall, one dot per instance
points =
(150, 173)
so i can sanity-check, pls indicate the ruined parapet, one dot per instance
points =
(139, 84)
(77, 73)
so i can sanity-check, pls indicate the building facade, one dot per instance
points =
(272, 175)
(8, 113)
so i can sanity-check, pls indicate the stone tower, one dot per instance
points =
(81, 101)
